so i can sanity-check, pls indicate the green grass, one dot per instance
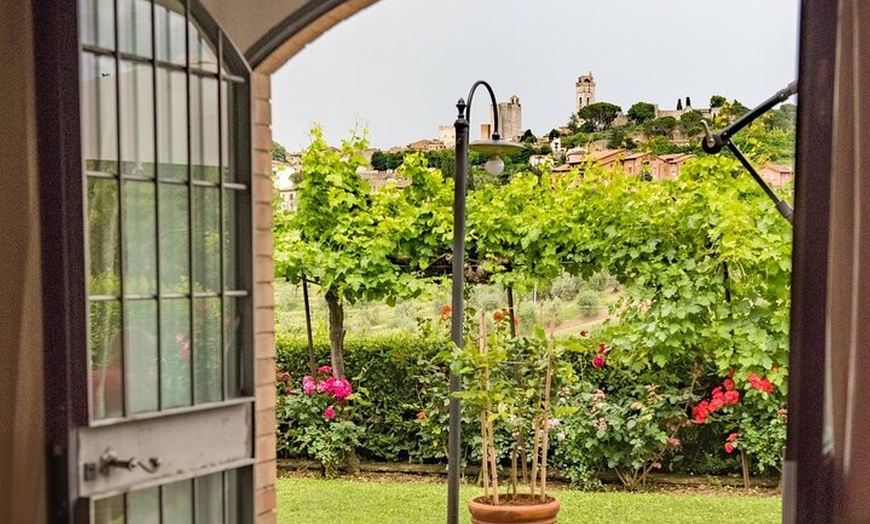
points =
(304, 500)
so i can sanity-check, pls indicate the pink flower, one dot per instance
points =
(339, 387)
(324, 370)
(552, 423)
(329, 413)
(598, 362)
(308, 385)
(729, 447)
(729, 384)
(674, 442)
(322, 386)
(285, 377)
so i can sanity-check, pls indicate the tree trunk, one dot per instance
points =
(336, 333)
(336, 356)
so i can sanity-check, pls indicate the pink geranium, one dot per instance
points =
(598, 362)
(308, 385)
(329, 413)
(324, 370)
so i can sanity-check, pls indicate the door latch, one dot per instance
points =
(110, 460)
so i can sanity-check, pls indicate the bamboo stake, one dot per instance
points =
(488, 436)
(549, 382)
(484, 440)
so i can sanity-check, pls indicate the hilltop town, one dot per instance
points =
(646, 141)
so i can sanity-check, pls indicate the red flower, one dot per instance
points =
(285, 377)
(701, 412)
(717, 402)
(732, 397)
(324, 370)
(781, 411)
(421, 415)
(598, 362)
(732, 437)
(446, 311)
(602, 348)
(729, 384)
(329, 413)
(516, 321)
(717, 390)
(761, 384)
(729, 448)
(498, 316)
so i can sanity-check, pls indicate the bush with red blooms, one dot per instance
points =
(315, 417)
(754, 419)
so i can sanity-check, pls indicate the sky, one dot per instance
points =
(398, 67)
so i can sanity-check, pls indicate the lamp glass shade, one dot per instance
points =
(495, 147)
(494, 166)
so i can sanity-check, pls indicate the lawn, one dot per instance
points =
(304, 500)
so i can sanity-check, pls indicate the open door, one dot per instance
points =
(156, 425)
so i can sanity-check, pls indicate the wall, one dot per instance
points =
(21, 436)
(264, 274)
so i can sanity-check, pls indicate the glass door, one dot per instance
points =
(166, 180)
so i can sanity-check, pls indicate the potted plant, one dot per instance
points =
(509, 384)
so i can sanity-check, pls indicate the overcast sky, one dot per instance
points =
(399, 66)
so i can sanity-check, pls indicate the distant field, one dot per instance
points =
(585, 309)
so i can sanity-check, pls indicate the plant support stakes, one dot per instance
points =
(494, 148)
(714, 142)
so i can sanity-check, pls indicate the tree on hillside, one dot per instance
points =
(554, 133)
(379, 161)
(679, 104)
(784, 117)
(528, 136)
(600, 114)
(717, 101)
(640, 112)
(279, 152)
(688, 102)
(691, 124)
(660, 126)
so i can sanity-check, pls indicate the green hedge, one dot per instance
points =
(402, 407)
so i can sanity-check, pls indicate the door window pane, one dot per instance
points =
(97, 23)
(234, 335)
(202, 54)
(99, 114)
(205, 132)
(137, 119)
(174, 239)
(232, 208)
(103, 242)
(176, 349)
(140, 249)
(178, 502)
(206, 239)
(107, 379)
(172, 123)
(170, 31)
(209, 499)
(109, 511)
(140, 339)
(143, 506)
(207, 357)
(135, 17)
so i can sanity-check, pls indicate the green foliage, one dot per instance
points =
(663, 126)
(717, 101)
(279, 152)
(379, 161)
(599, 115)
(640, 112)
(679, 104)
(528, 137)
(690, 124)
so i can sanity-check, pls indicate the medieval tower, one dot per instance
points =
(510, 119)
(585, 91)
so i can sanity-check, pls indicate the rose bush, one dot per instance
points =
(314, 416)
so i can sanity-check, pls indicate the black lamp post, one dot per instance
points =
(494, 148)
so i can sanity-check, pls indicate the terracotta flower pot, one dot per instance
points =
(526, 510)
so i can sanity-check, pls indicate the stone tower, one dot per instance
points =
(585, 91)
(510, 119)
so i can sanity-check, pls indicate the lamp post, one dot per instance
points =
(494, 165)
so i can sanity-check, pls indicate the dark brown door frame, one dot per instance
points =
(62, 231)
(808, 493)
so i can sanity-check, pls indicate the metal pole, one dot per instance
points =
(459, 187)
(312, 364)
